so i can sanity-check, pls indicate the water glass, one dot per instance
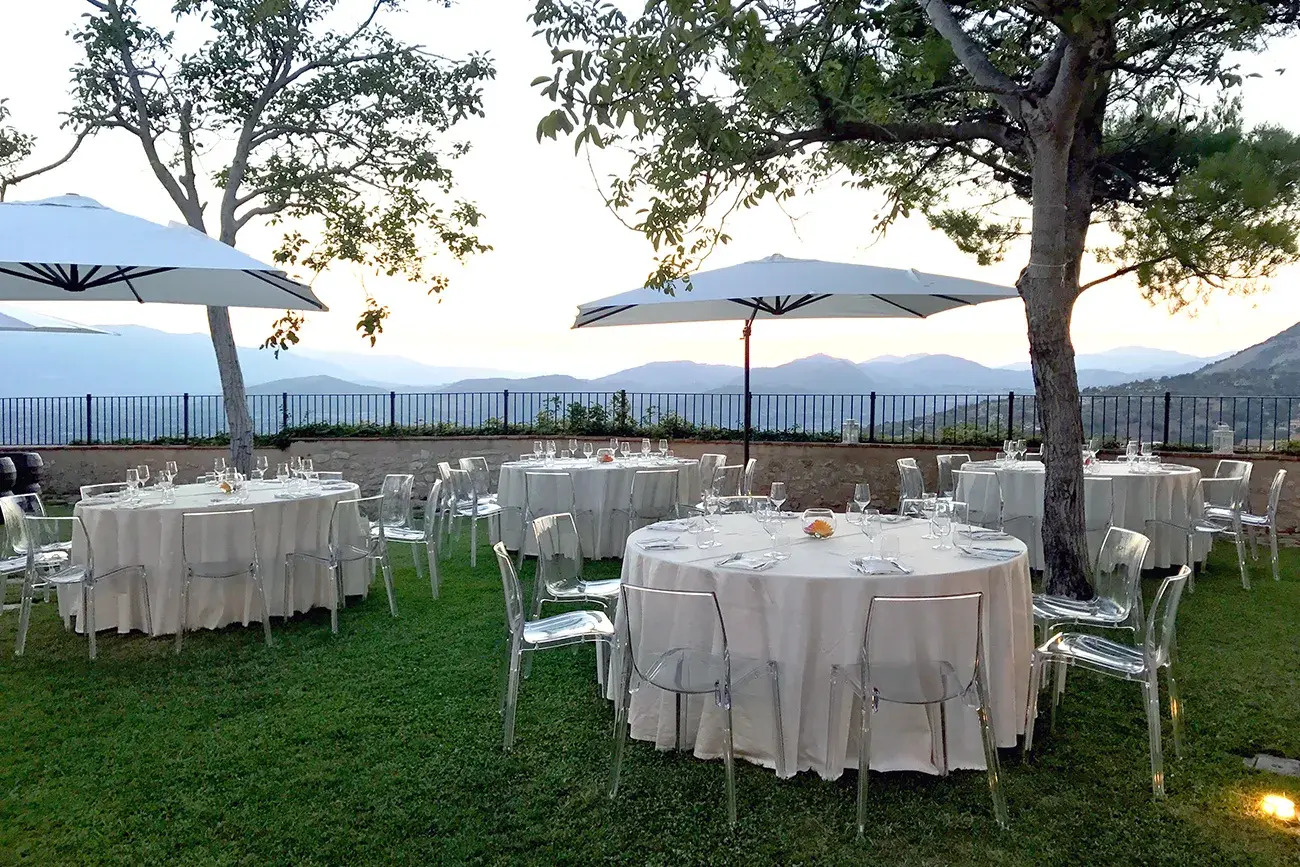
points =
(588, 450)
(871, 528)
(282, 473)
(550, 450)
(941, 525)
(663, 448)
(1131, 451)
(133, 478)
(537, 450)
(625, 449)
(645, 447)
(853, 513)
(706, 534)
(1147, 450)
(889, 546)
(777, 495)
(1000, 459)
(143, 471)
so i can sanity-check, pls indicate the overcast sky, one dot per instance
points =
(556, 245)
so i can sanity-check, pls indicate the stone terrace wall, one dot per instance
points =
(818, 474)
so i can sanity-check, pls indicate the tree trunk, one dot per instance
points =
(1050, 286)
(232, 389)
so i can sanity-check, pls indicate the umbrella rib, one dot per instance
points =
(754, 304)
(805, 301)
(37, 277)
(604, 313)
(901, 307)
(126, 278)
(124, 274)
(266, 278)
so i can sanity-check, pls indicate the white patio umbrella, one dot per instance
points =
(71, 248)
(12, 319)
(782, 288)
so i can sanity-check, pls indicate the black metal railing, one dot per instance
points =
(1258, 423)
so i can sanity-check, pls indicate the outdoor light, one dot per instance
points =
(1279, 807)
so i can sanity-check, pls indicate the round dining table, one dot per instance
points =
(148, 533)
(1168, 494)
(601, 492)
(809, 612)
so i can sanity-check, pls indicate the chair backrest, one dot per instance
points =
(479, 474)
(1275, 494)
(1117, 576)
(514, 594)
(31, 505)
(737, 505)
(709, 464)
(220, 532)
(1236, 470)
(981, 491)
(728, 480)
(911, 483)
(42, 533)
(396, 494)
(17, 533)
(751, 468)
(1164, 613)
(1098, 502)
(460, 490)
(676, 639)
(547, 493)
(948, 463)
(653, 496)
(432, 507)
(88, 491)
(923, 649)
(357, 526)
(329, 475)
(559, 552)
(444, 471)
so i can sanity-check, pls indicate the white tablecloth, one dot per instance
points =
(808, 613)
(150, 535)
(1139, 497)
(598, 490)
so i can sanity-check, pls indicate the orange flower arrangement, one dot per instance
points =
(820, 529)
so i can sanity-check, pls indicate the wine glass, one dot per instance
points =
(263, 464)
(282, 473)
(645, 447)
(941, 526)
(171, 469)
(625, 449)
(537, 450)
(588, 450)
(663, 448)
(777, 496)
(307, 466)
(550, 450)
(132, 478)
(862, 495)
(219, 466)
(1131, 451)
(143, 472)
(573, 447)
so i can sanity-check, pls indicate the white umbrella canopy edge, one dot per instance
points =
(15, 320)
(73, 248)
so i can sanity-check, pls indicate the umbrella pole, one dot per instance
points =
(749, 326)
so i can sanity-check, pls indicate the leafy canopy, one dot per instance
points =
(339, 134)
(721, 104)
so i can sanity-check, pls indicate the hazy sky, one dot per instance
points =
(556, 245)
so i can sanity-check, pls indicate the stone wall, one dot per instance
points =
(817, 474)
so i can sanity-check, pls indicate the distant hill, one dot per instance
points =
(1140, 361)
(314, 385)
(1271, 367)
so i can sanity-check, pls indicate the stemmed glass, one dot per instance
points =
(624, 449)
(263, 464)
(862, 495)
(663, 448)
(171, 469)
(143, 472)
(573, 448)
(550, 450)
(588, 450)
(778, 496)
(707, 534)
(1131, 451)
(537, 450)
(941, 525)
(871, 529)
(645, 447)
(219, 466)
(282, 473)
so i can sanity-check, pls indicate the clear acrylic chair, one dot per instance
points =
(465, 505)
(527, 636)
(558, 577)
(13, 558)
(948, 463)
(747, 482)
(546, 492)
(709, 463)
(234, 535)
(1098, 512)
(653, 498)
(480, 476)
(423, 537)
(911, 484)
(1267, 521)
(1141, 664)
(888, 670)
(329, 475)
(396, 505)
(728, 481)
(45, 533)
(651, 651)
(352, 539)
(1213, 508)
(981, 491)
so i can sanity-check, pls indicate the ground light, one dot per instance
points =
(1279, 807)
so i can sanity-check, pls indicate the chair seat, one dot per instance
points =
(1250, 520)
(1056, 609)
(219, 568)
(696, 672)
(404, 534)
(567, 627)
(909, 684)
(1096, 652)
(45, 560)
(70, 575)
(466, 510)
(607, 589)
(1222, 513)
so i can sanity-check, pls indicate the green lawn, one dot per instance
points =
(382, 745)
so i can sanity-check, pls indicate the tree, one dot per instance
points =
(1122, 114)
(336, 134)
(16, 148)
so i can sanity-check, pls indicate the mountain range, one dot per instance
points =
(145, 361)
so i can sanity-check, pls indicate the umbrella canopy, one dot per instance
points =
(782, 288)
(25, 320)
(73, 248)
(777, 287)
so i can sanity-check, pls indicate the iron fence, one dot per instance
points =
(1258, 422)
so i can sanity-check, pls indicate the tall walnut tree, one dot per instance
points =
(1118, 114)
(339, 134)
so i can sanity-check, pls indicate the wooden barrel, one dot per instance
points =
(28, 467)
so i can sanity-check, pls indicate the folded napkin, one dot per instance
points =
(876, 566)
(984, 552)
(979, 535)
(665, 543)
(676, 525)
(752, 562)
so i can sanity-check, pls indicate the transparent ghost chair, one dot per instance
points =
(1267, 521)
(464, 505)
(982, 493)
(653, 498)
(1141, 664)
(559, 575)
(527, 636)
(13, 556)
(947, 464)
(546, 492)
(911, 484)
(480, 476)
(352, 539)
(1212, 508)
(709, 464)
(1098, 512)
(654, 648)
(42, 534)
(728, 481)
(396, 499)
(751, 470)
(888, 670)
(425, 536)
(106, 491)
(234, 536)
(329, 475)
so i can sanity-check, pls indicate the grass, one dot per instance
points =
(382, 745)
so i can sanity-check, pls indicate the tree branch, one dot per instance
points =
(900, 132)
(975, 61)
(7, 182)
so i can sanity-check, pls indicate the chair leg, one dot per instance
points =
(602, 664)
(934, 714)
(1240, 545)
(88, 617)
(266, 608)
(512, 696)
(473, 543)
(777, 723)
(335, 576)
(729, 761)
(148, 609)
(1175, 711)
(864, 758)
(388, 581)
(991, 759)
(431, 557)
(1151, 697)
(622, 700)
(1272, 550)
(415, 556)
(1031, 716)
(24, 618)
(830, 768)
(185, 612)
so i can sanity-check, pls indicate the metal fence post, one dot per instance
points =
(1011, 412)
(1168, 400)
(185, 410)
(392, 409)
(284, 410)
(505, 410)
(871, 424)
(89, 436)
